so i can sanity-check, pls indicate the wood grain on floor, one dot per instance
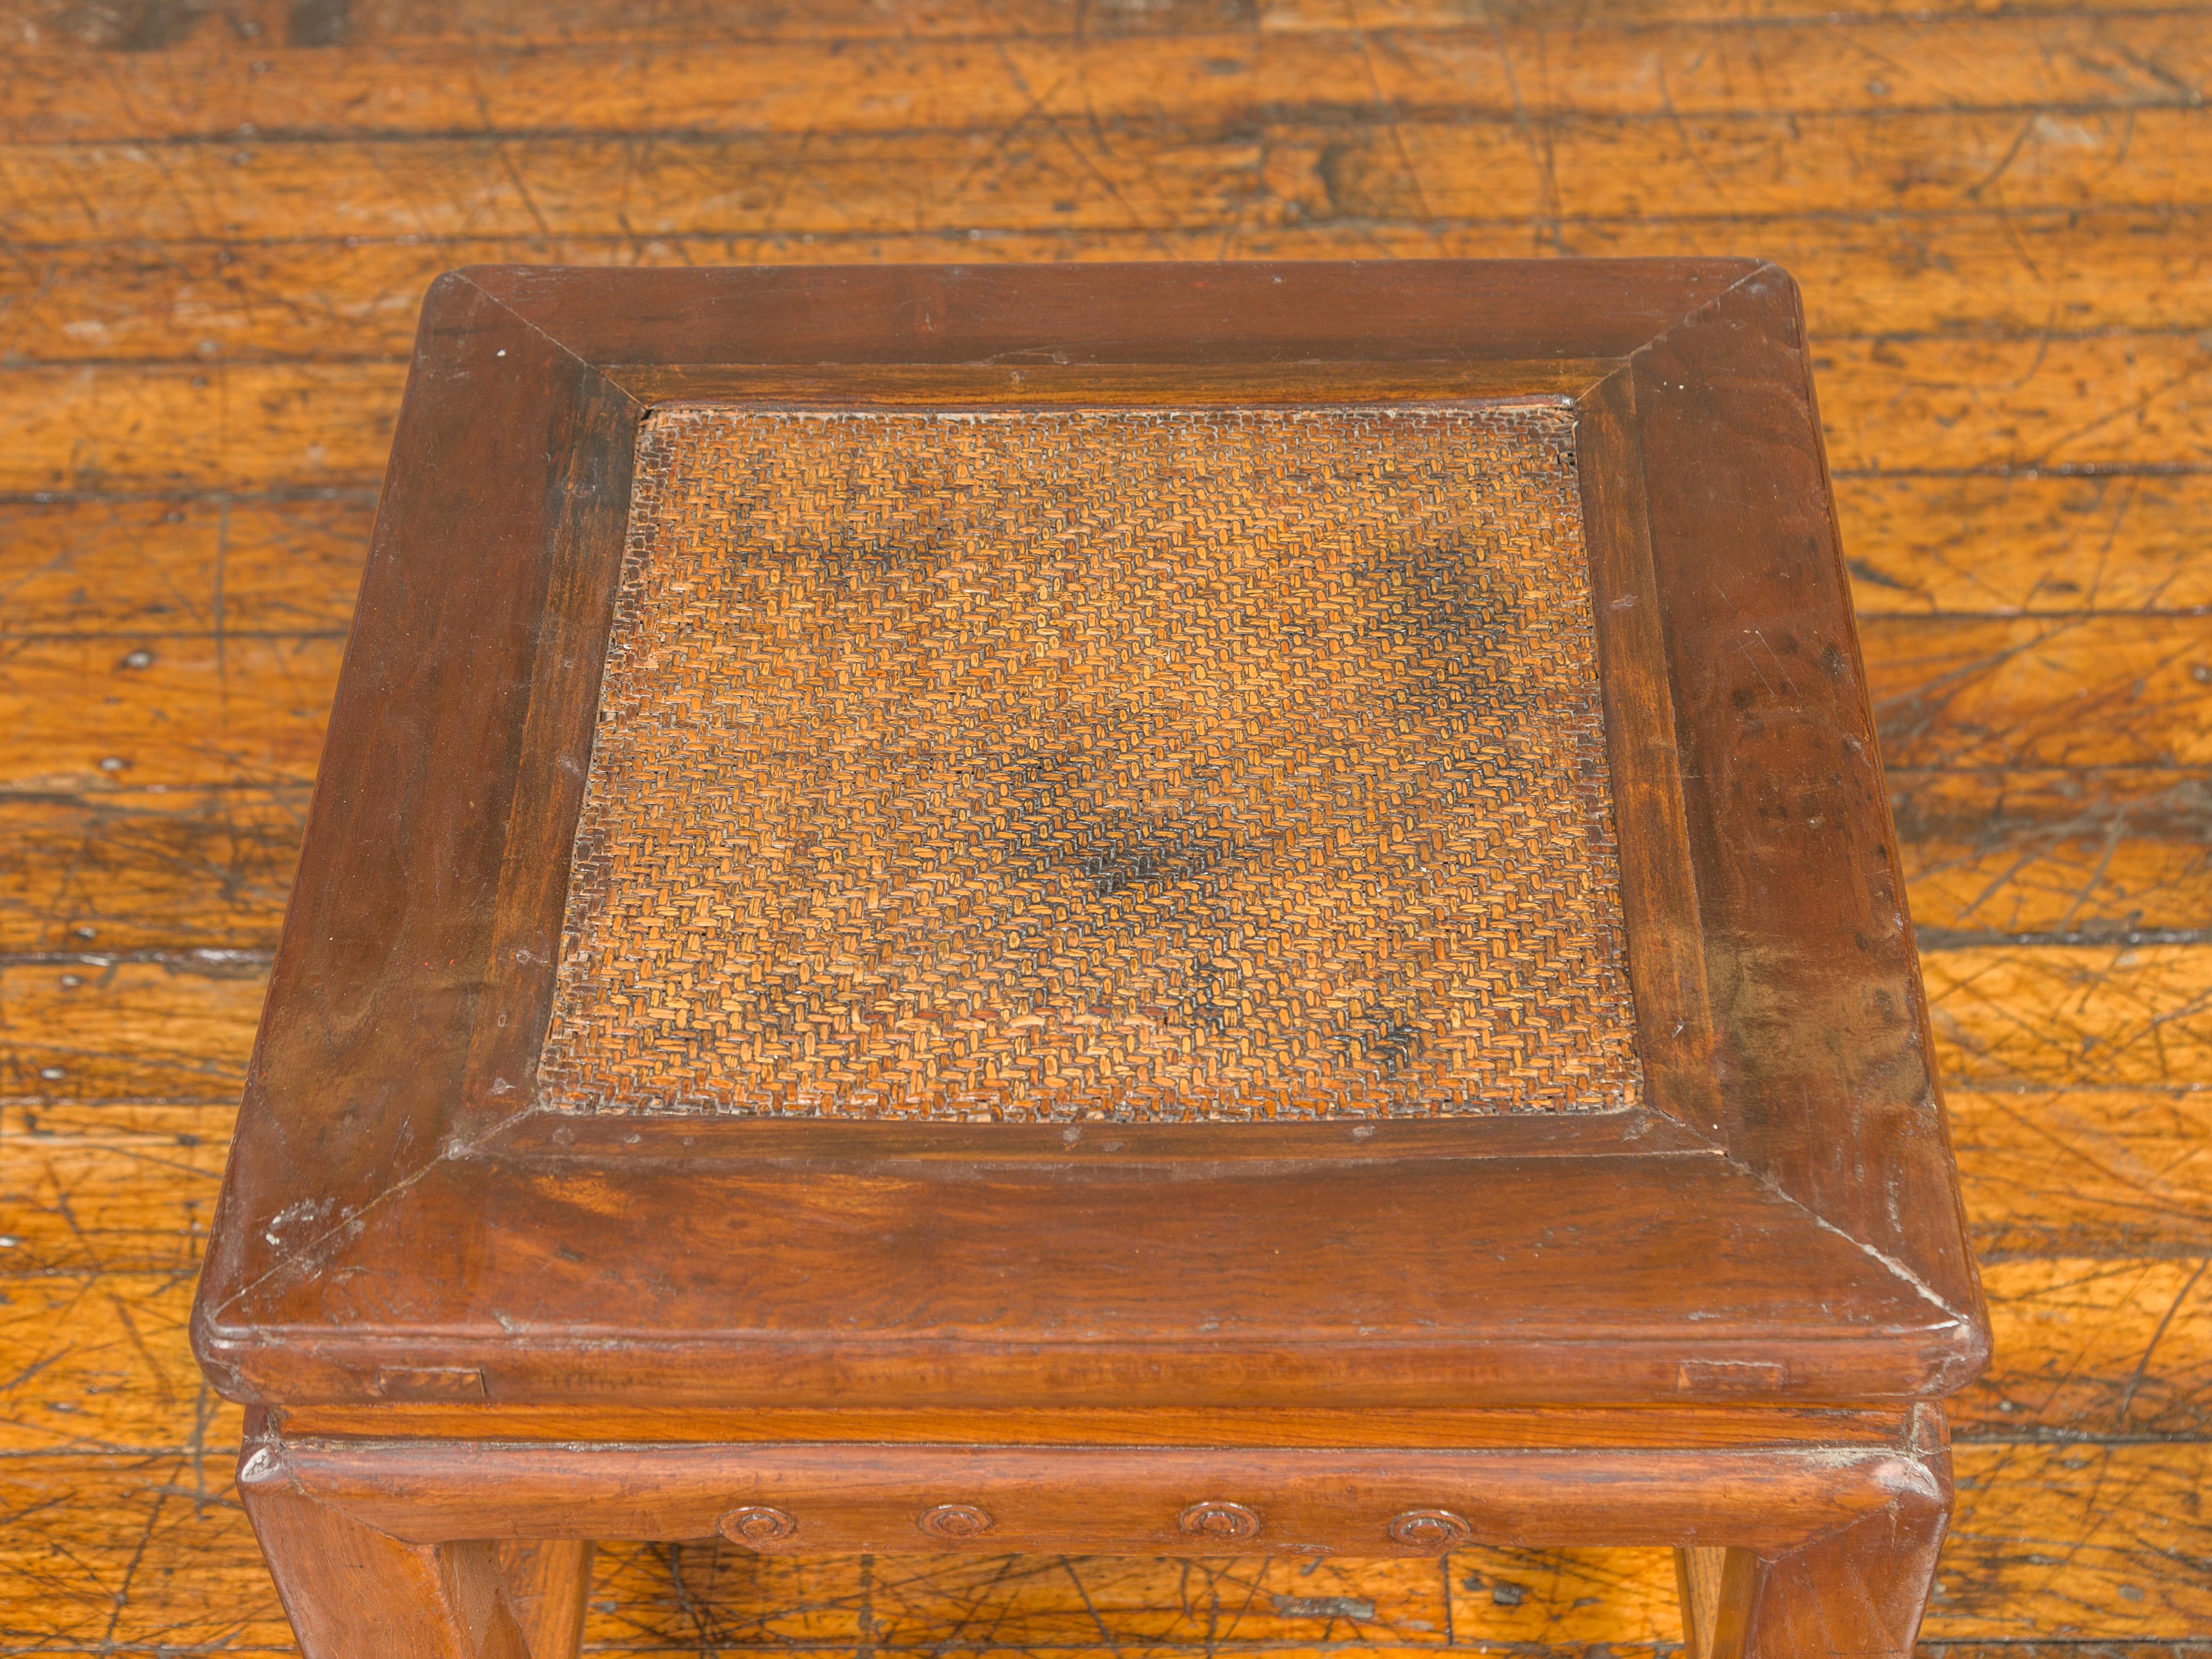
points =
(222, 213)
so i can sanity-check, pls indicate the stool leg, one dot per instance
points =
(353, 1593)
(547, 1585)
(1697, 1575)
(1858, 1592)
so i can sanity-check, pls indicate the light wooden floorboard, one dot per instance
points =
(222, 213)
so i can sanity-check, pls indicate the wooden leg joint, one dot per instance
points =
(354, 1592)
(1858, 1589)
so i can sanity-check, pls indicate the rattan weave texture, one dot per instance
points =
(1135, 764)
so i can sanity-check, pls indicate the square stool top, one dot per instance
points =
(1033, 837)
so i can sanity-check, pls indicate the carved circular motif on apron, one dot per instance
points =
(756, 1524)
(1218, 1519)
(1430, 1529)
(956, 1521)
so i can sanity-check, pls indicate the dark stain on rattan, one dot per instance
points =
(1135, 854)
(1061, 819)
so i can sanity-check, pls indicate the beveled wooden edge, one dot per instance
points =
(1109, 1500)
(1557, 1428)
(509, 466)
(512, 458)
(1665, 939)
(1677, 1277)
(1556, 381)
(1823, 1078)
(1379, 311)
(699, 1142)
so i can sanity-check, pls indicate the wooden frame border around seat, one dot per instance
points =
(1779, 1224)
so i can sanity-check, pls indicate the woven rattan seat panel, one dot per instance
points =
(1135, 764)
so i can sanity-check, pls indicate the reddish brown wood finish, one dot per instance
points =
(1858, 1588)
(389, 1106)
(1689, 1428)
(349, 1589)
(547, 1582)
(845, 1498)
(379, 1544)
(405, 1241)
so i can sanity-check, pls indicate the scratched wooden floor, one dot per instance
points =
(218, 218)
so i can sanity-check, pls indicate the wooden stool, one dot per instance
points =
(1148, 910)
